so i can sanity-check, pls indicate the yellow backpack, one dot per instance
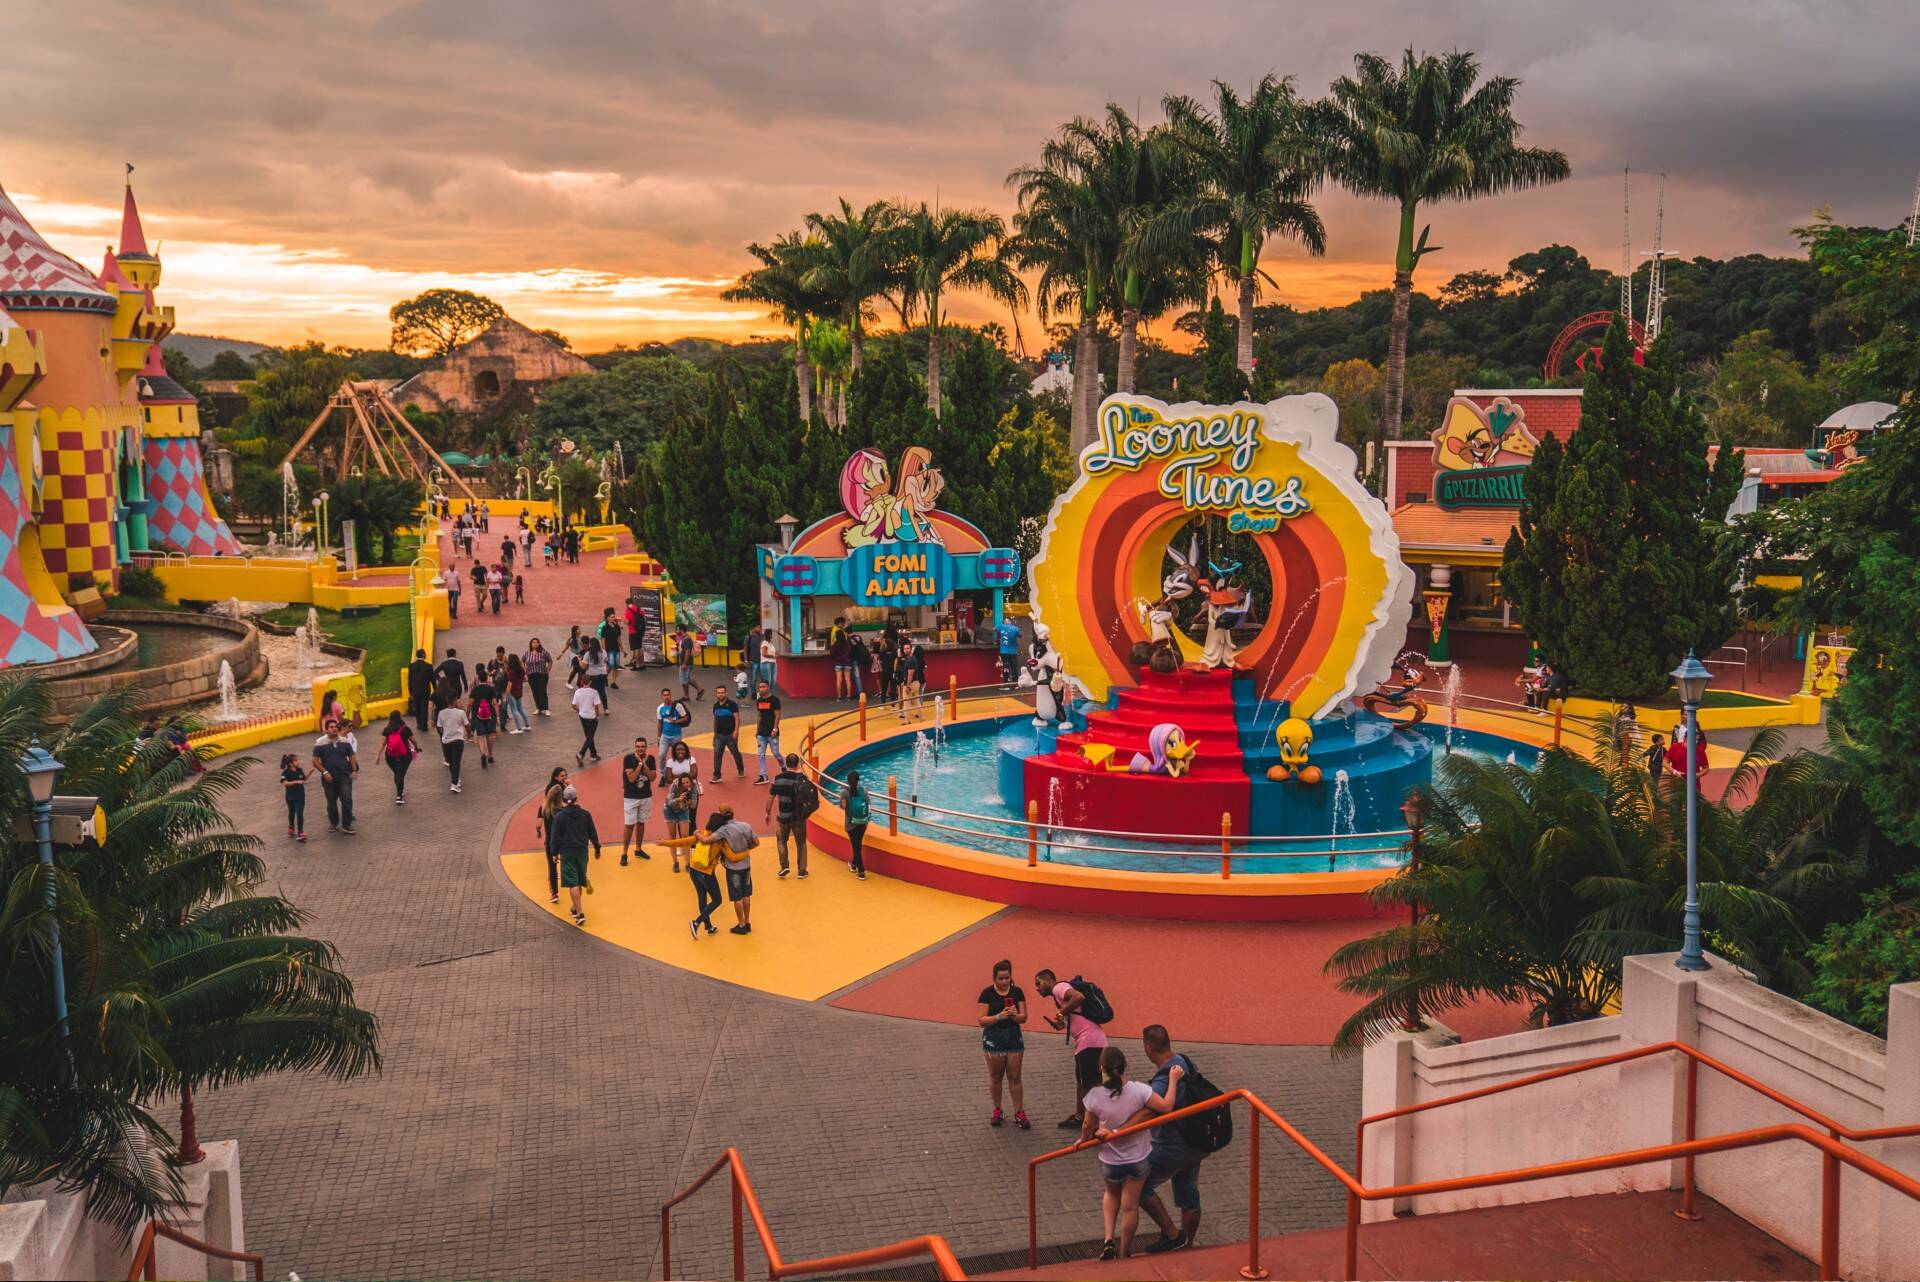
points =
(704, 855)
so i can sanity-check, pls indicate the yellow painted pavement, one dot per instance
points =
(810, 938)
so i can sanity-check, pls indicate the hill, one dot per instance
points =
(202, 348)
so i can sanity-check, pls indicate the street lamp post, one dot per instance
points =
(1414, 813)
(43, 776)
(550, 480)
(1692, 677)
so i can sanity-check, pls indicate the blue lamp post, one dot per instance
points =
(1691, 677)
(43, 776)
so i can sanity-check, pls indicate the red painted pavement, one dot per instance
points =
(557, 596)
(1243, 982)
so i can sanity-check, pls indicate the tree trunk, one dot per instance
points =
(854, 340)
(840, 414)
(1129, 349)
(1086, 385)
(1389, 428)
(803, 379)
(933, 370)
(1244, 347)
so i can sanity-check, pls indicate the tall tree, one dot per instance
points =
(436, 322)
(1254, 159)
(858, 260)
(1622, 559)
(1421, 132)
(1222, 382)
(953, 249)
(780, 282)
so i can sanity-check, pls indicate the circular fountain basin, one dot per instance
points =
(174, 658)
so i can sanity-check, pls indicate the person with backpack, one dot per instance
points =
(1081, 1009)
(674, 716)
(398, 751)
(1179, 1147)
(1003, 1009)
(485, 712)
(685, 651)
(796, 798)
(859, 813)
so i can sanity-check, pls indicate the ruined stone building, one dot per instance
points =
(504, 367)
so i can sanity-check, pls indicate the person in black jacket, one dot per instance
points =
(420, 682)
(453, 671)
(572, 832)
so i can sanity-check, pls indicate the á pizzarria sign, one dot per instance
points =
(1208, 462)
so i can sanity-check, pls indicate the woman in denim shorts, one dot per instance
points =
(1003, 1009)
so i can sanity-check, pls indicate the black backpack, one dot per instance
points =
(1207, 1132)
(1093, 1003)
(806, 797)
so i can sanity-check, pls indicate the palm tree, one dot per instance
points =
(1535, 885)
(1067, 229)
(1423, 132)
(953, 249)
(1255, 162)
(858, 261)
(177, 970)
(831, 353)
(780, 283)
(378, 506)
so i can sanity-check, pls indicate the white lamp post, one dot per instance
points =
(1692, 677)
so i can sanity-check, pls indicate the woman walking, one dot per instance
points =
(854, 804)
(515, 677)
(594, 664)
(1003, 1009)
(485, 708)
(550, 802)
(1113, 1105)
(452, 723)
(539, 665)
(398, 751)
(293, 782)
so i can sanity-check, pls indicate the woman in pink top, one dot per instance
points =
(1086, 1039)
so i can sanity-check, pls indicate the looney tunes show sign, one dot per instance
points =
(1276, 473)
(1480, 456)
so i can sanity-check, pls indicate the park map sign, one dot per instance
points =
(1480, 456)
(1276, 473)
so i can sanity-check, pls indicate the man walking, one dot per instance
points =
(586, 702)
(726, 731)
(609, 634)
(674, 716)
(788, 799)
(337, 763)
(420, 682)
(453, 596)
(1085, 1039)
(766, 732)
(637, 771)
(685, 650)
(1172, 1157)
(573, 832)
(453, 671)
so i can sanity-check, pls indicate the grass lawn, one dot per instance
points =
(386, 636)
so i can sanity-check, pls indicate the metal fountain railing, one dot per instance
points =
(1037, 835)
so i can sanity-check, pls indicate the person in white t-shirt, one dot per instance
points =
(586, 702)
(1113, 1105)
(452, 724)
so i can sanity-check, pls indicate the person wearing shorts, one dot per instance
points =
(573, 832)
(637, 771)
(1003, 1009)
(737, 860)
(1114, 1103)
(1084, 1037)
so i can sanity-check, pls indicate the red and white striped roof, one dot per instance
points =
(34, 276)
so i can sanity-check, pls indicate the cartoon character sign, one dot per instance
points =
(1227, 607)
(1168, 753)
(885, 511)
(1470, 437)
(1294, 737)
(1045, 671)
(1175, 587)
(1401, 691)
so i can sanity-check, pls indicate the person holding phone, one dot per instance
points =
(1003, 1009)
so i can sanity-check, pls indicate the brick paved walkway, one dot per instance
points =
(545, 1091)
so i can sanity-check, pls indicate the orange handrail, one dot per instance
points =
(145, 1262)
(1834, 1153)
(944, 1261)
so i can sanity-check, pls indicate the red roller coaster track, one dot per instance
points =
(1557, 354)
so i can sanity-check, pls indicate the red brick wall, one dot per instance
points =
(1545, 415)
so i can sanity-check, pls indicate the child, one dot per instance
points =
(740, 684)
(519, 589)
(293, 781)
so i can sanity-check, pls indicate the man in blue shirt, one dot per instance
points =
(1008, 635)
(674, 716)
(1172, 1157)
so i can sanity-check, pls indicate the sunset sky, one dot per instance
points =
(597, 166)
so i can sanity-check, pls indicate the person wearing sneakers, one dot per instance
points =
(704, 851)
(484, 709)
(726, 731)
(790, 800)
(452, 723)
(766, 730)
(293, 783)
(1084, 1037)
(1003, 1009)
(550, 804)
(737, 859)
(637, 771)
(586, 702)
(1172, 1158)
(573, 832)
(338, 766)
(685, 651)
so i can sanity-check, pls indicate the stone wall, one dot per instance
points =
(1851, 1076)
(172, 685)
(477, 376)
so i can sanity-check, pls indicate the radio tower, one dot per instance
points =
(1626, 242)
(1913, 218)
(1656, 276)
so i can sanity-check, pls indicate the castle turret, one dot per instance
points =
(174, 510)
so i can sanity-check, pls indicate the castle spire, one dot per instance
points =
(133, 238)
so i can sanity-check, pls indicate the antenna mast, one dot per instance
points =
(1656, 275)
(1626, 243)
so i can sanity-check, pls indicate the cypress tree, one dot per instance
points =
(1621, 559)
(1223, 382)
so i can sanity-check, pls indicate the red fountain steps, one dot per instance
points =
(1091, 796)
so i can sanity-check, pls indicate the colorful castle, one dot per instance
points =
(103, 449)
